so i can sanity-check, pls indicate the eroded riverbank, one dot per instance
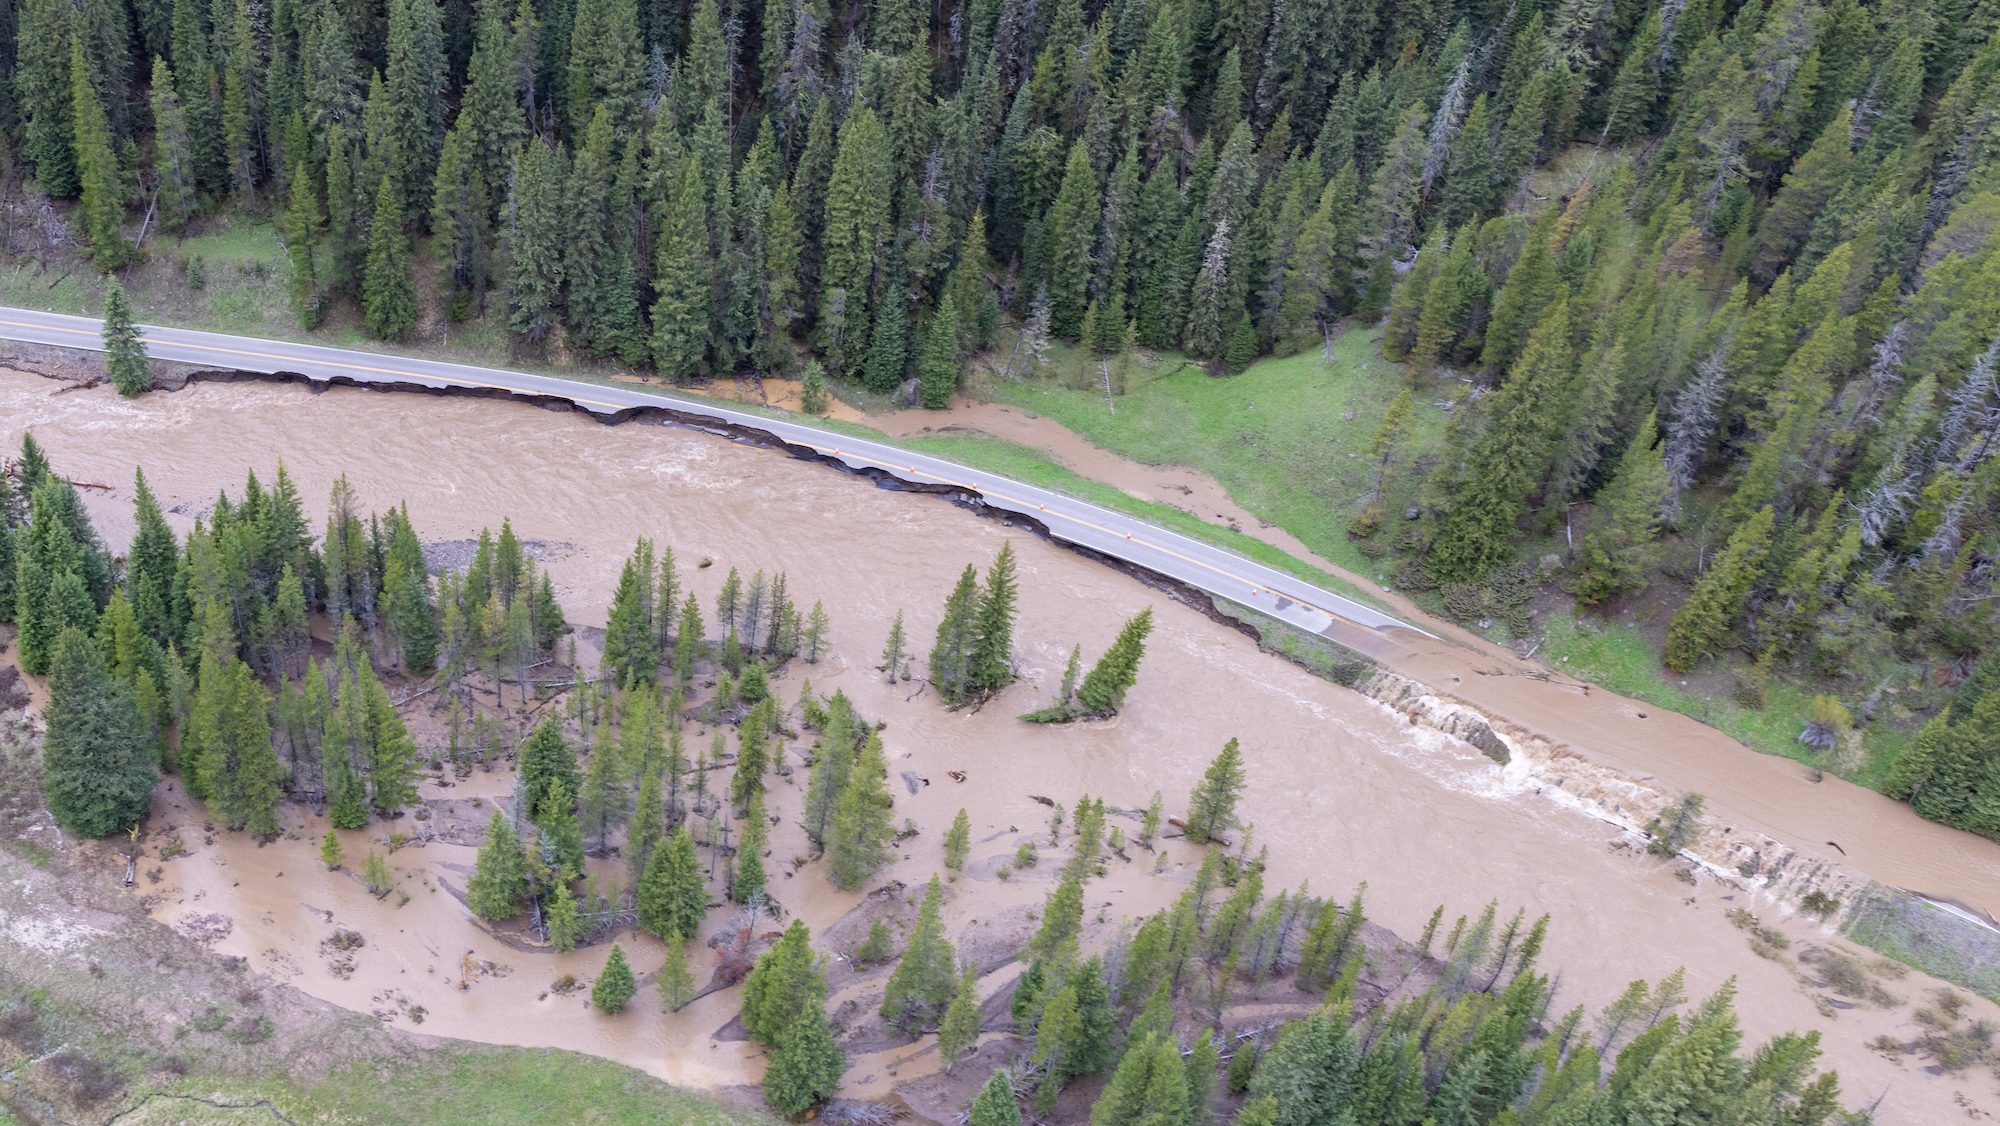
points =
(1342, 788)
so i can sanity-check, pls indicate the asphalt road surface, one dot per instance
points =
(1148, 546)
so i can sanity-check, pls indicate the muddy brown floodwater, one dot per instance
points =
(1342, 789)
(1815, 814)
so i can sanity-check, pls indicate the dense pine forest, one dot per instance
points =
(1709, 288)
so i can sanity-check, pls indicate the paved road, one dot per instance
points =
(1135, 541)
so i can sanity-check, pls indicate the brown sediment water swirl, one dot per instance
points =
(1343, 788)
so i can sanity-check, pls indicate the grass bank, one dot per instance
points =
(1945, 945)
(1289, 439)
(230, 273)
(459, 1083)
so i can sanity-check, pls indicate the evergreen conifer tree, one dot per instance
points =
(990, 664)
(1149, 1084)
(601, 805)
(630, 651)
(459, 215)
(615, 984)
(1072, 228)
(565, 927)
(101, 199)
(547, 761)
(648, 826)
(375, 875)
(996, 1103)
(1243, 347)
(303, 225)
(1703, 621)
(938, 370)
(749, 881)
(951, 657)
(1103, 690)
(406, 596)
(230, 735)
(1309, 1071)
(124, 352)
(672, 896)
(499, 877)
(681, 278)
(388, 297)
(857, 841)
(893, 650)
(676, 983)
(888, 342)
(1509, 459)
(922, 985)
(1212, 806)
(561, 837)
(832, 766)
(97, 758)
(786, 981)
(1619, 544)
(173, 164)
(534, 241)
(806, 1064)
(958, 1032)
(957, 844)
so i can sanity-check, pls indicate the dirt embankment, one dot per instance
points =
(99, 1003)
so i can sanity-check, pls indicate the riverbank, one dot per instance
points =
(106, 1015)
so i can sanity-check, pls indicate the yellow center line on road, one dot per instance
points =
(1254, 587)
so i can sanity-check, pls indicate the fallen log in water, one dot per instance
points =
(13, 469)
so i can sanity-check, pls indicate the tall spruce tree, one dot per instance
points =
(124, 353)
(1619, 545)
(682, 278)
(615, 984)
(229, 733)
(1103, 690)
(951, 656)
(1212, 805)
(101, 186)
(388, 296)
(925, 978)
(534, 240)
(97, 755)
(788, 979)
(1072, 227)
(672, 895)
(857, 839)
(996, 1104)
(1703, 621)
(990, 664)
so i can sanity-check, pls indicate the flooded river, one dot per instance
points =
(1341, 789)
